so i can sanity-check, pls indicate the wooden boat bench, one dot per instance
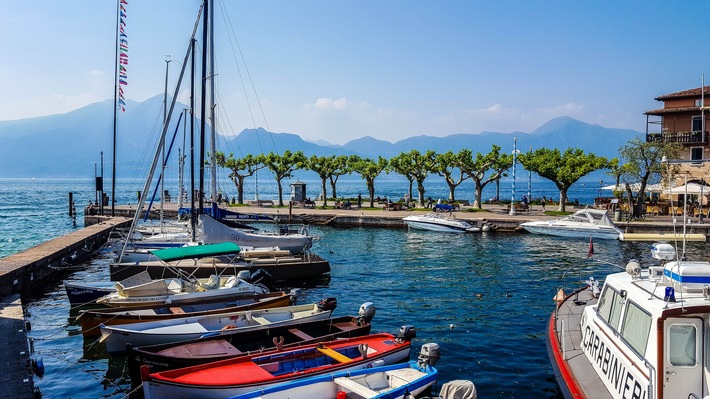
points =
(355, 388)
(300, 334)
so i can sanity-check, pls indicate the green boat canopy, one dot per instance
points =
(196, 251)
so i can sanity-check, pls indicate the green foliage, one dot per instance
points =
(283, 167)
(415, 166)
(369, 170)
(479, 166)
(562, 168)
(240, 168)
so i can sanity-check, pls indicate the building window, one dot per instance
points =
(697, 124)
(696, 153)
(698, 102)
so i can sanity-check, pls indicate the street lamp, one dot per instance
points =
(515, 160)
(601, 182)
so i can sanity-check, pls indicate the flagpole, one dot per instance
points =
(115, 112)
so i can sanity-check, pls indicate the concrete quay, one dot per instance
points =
(496, 216)
(27, 270)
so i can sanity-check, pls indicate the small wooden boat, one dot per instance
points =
(91, 319)
(242, 343)
(396, 381)
(82, 293)
(261, 371)
(116, 337)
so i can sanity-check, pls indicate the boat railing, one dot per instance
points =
(652, 380)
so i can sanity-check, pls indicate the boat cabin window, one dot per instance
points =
(636, 327)
(609, 308)
(682, 345)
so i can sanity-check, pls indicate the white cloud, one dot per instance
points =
(328, 103)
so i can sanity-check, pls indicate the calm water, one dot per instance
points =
(429, 280)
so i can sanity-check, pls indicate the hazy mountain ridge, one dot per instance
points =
(69, 145)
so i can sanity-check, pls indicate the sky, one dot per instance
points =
(341, 70)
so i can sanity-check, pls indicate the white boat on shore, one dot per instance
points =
(584, 223)
(438, 222)
(644, 336)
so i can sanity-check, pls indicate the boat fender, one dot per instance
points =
(38, 367)
(278, 343)
(363, 348)
(32, 345)
(377, 363)
(327, 304)
(28, 325)
(367, 311)
(37, 393)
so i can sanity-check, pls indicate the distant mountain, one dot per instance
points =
(69, 145)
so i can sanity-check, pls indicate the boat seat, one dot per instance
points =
(176, 310)
(300, 334)
(261, 320)
(354, 387)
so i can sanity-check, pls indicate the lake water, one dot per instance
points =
(426, 279)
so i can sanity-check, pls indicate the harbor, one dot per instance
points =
(378, 224)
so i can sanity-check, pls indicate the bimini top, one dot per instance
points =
(196, 251)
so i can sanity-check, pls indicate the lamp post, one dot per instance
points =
(515, 160)
(601, 182)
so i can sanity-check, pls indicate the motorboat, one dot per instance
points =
(91, 319)
(643, 335)
(265, 370)
(584, 223)
(211, 230)
(396, 381)
(116, 337)
(439, 222)
(242, 343)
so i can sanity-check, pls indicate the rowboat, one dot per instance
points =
(83, 293)
(116, 337)
(396, 381)
(242, 343)
(91, 319)
(261, 371)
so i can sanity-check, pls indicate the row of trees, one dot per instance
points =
(640, 162)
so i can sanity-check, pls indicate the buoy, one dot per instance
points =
(38, 367)
(342, 395)
(451, 326)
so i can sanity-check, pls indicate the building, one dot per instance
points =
(683, 120)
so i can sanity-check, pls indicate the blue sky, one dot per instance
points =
(337, 71)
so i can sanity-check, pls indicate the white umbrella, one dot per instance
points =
(635, 187)
(690, 188)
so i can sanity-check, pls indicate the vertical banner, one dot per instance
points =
(122, 54)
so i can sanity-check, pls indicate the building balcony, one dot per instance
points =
(695, 137)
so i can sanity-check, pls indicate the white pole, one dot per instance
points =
(515, 160)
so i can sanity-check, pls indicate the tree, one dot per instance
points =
(369, 170)
(341, 167)
(446, 165)
(324, 167)
(415, 166)
(249, 164)
(563, 169)
(643, 163)
(476, 168)
(283, 166)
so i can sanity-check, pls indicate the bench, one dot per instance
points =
(394, 206)
(355, 388)
(300, 334)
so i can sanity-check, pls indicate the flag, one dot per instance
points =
(591, 248)
(122, 55)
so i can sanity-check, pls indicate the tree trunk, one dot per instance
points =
(325, 194)
(332, 188)
(371, 191)
(563, 199)
(281, 200)
(478, 202)
(452, 188)
(240, 190)
(420, 189)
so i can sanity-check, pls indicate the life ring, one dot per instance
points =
(229, 327)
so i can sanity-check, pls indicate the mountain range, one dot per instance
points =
(70, 144)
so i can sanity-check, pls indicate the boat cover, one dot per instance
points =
(196, 251)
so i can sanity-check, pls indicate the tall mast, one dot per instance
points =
(115, 113)
(204, 105)
(213, 136)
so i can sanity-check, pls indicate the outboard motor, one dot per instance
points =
(429, 355)
(366, 312)
(244, 275)
(295, 295)
(261, 276)
(327, 304)
(407, 333)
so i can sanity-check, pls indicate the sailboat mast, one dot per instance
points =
(203, 112)
(213, 136)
